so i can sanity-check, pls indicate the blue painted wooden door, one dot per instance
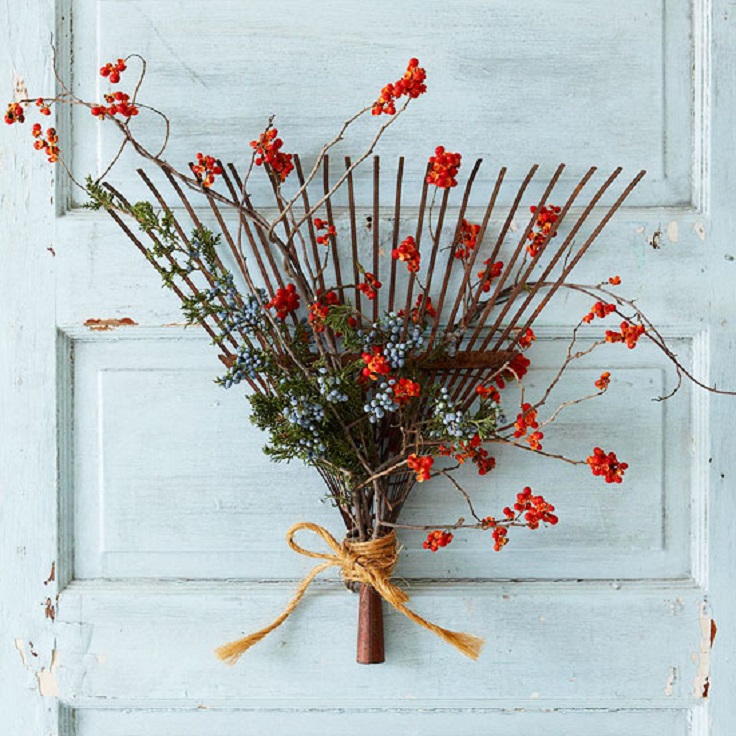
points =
(141, 526)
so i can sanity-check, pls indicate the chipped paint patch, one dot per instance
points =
(701, 683)
(673, 231)
(20, 646)
(52, 574)
(669, 685)
(102, 325)
(20, 91)
(48, 687)
(699, 229)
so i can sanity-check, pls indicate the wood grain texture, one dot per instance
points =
(620, 81)
(205, 722)
(146, 505)
(28, 520)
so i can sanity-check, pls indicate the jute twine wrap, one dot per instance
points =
(369, 562)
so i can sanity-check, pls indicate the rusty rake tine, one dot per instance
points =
(474, 255)
(376, 227)
(246, 272)
(353, 233)
(172, 262)
(581, 252)
(558, 254)
(499, 241)
(330, 220)
(310, 223)
(259, 231)
(417, 239)
(451, 257)
(522, 282)
(465, 321)
(248, 233)
(395, 239)
(520, 248)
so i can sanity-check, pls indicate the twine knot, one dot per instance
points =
(371, 563)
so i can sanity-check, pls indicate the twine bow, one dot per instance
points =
(369, 562)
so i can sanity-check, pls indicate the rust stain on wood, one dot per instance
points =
(103, 325)
(708, 630)
(52, 574)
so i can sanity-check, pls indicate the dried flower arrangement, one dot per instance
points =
(378, 375)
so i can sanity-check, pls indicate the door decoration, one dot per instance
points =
(380, 372)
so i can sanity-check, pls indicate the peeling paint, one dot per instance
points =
(669, 685)
(673, 231)
(701, 683)
(48, 687)
(102, 325)
(699, 229)
(20, 646)
(52, 574)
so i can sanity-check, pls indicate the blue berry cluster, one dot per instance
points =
(248, 362)
(331, 387)
(307, 414)
(380, 401)
(452, 422)
(388, 331)
(247, 317)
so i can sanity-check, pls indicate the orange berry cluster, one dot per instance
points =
(405, 389)
(629, 334)
(416, 310)
(113, 71)
(607, 465)
(444, 168)
(614, 280)
(514, 371)
(525, 420)
(546, 217)
(421, 465)
(492, 271)
(320, 308)
(534, 509)
(49, 144)
(375, 364)
(206, 169)
(600, 310)
(43, 108)
(370, 285)
(285, 301)
(527, 339)
(602, 383)
(119, 103)
(437, 539)
(408, 252)
(320, 224)
(15, 113)
(410, 85)
(488, 392)
(268, 151)
(468, 239)
(472, 450)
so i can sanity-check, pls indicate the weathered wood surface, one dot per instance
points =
(159, 558)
